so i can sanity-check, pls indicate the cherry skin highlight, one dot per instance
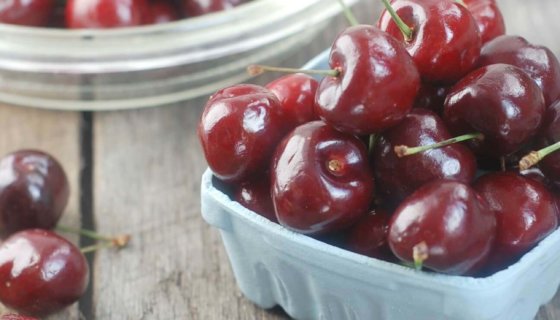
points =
(34, 191)
(41, 273)
(102, 14)
(321, 180)
(377, 84)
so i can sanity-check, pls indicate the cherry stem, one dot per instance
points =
(503, 163)
(119, 241)
(461, 2)
(420, 254)
(403, 151)
(99, 246)
(256, 70)
(372, 141)
(536, 156)
(405, 29)
(348, 13)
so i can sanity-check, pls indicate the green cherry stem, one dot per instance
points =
(405, 29)
(403, 151)
(119, 241)
(348, 13)
(99, 246)
(256, 70)
(420, 254)
(461, 2)
(372, 141)
(536, 156)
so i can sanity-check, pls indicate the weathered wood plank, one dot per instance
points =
(58, 134)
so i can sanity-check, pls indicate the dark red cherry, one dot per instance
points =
(489, 18)
(254, 194)
(41, 273)
(34, 191)
(399, 177)
(33, 13)
(443, 39)
(160, 12)
(296, 93)
(201, 7)
(431, 97)
(369, 236)
(539, 62)
(525, 211)
(447, 224)
(239, 130)
(376, 85)
(549, 135)
(321, 180)
(500, 101)
(101, 14)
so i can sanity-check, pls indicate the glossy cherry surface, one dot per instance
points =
(201, 7)
(101, 14)
(377, 84)
(34, 13)
(239, 130)
(369, 236)
(41, 272)
(550, 134)
(538, 61)
(451, 220)
(500, 101)
(431, 97)
(296, 93)
(321, 180)
(254, 194)
(525, 212)
(399, 177)
(445, 42)
(488, 17)
(34, 191)
(160, 12)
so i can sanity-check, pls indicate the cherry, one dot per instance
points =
(441, 36)
(402, 176)
(376, 84)
(369, 236)
(431, 97)
(41, 273)
(489, 101)
(34, 191)
(34, 13)
(239, 130)
(254, 194)
(488, 17)
(200, 7)
(13, 316)
(539, 62)
(296, 93)
(321, 180)
(160, 12)
(100, 14)
(525, 212)
(445, 226)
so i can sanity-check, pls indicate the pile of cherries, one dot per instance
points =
(372, 152)
(40, 272)
(103, 14)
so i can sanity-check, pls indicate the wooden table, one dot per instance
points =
(139, 171)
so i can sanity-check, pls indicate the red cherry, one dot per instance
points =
(431, 97)
(160, 12)
(321, 181)
(488, 101)
(101, 14)
(539, 62)
(255, 195)
(34, 13)
(41, 273)
(376, 85)
(443, 37)
(525, 211)
(446, 225)
(488, 17)
(369, 236)
(201, 7)
(34, 191)
(402, 176)
(239, 130)
(296, 93)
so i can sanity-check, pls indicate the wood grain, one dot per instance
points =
(58, 134)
